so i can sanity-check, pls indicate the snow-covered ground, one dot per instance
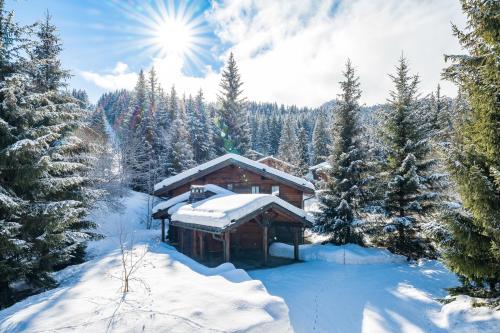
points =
(373, 292)
(170, 292)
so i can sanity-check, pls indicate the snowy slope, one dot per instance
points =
(170, 292)
(371, 293)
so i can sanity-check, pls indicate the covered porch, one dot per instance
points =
(243, 242)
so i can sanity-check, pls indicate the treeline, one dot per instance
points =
(426, 179)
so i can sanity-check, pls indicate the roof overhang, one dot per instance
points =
(297, 219)
(164, 191)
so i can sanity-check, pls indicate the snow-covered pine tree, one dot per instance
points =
(288, 143)
(233, 120)
(263, 134)
(173, 105)
(406, 171)
(47, 74)
(303, 153)
(42, 167)
(321, 140)
(474, 158)
(181, 152)
(205, 144)
(14, 252)
(346, 188)
(275, 128)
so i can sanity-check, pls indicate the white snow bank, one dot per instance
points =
(185, 197)
(345, 254)
(241, 159)
(169, 292)
(221, 210)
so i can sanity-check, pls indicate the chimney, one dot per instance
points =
(198, 192)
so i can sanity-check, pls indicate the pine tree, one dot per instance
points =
(44, 189)
(303, 153)
(346, 187)
(406, 171)
(181, 157)
(47, 74)
(233, 120)
(321, 140)
(205, 145)
(274, 135)
(288, 144)
(474, 159)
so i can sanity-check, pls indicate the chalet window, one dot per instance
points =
(230, 187)
(275, 190)
(255, 189)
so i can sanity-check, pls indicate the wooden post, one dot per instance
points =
(163, 230)
(202, 245)
(181, 240)
(265, 247)
(296, 244)
(194, 235)
(227, 246)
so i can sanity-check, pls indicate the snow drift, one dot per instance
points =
(345, 254)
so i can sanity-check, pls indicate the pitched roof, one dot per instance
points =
(163, 205)
(224, 211)
(228, 159)
(271, 157)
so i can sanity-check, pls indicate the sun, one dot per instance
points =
(174, 36)
(167, 29)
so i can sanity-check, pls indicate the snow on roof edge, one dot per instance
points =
(190, 172)
(222, 210)
(185, 197)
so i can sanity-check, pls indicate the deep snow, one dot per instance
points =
(170, 292)
(373, 292)
(173, 293)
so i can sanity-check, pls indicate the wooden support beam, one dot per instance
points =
(265, 247)
(296, 243)
(194, 235)
(227, 246)
(163, 230)
(181, 239)
(202, 245)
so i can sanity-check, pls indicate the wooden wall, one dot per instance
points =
(242, 181)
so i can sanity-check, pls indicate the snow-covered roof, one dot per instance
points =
(222, 210)
(258, 167)
(185, 197)
(271, 157)
(321, 166)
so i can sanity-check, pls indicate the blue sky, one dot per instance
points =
(288, 51)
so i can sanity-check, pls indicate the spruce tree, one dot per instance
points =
(47, 72)
(43, 166)
(205, 145)
(346, 187)
(181, 154)
(406, 172)
(321, 140)
(303, 153)
(288, 144)
(473, 251)
(233, 121)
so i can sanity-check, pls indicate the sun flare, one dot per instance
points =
(169, 30)
(174, 37)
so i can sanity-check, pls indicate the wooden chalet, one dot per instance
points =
(277, 164)
(232, 208)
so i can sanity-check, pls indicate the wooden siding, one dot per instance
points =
(242, 181)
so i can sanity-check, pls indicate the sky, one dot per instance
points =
(287, 51)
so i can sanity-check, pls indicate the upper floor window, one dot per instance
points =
(255, 189)
(275, 190)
